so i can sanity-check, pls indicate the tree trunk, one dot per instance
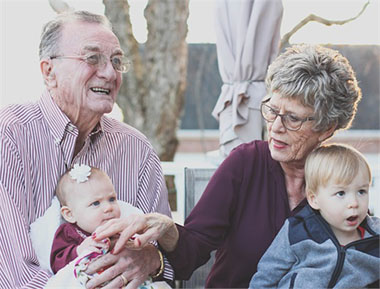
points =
(152, 94)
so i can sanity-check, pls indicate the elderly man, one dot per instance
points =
(81, 62)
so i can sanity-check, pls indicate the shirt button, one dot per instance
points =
(57, 141)
(70, 128)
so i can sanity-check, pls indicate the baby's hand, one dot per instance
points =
(90, 245)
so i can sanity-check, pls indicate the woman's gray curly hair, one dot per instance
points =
(320, 78)
(51, 32)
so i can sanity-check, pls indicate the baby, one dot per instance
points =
(332, 243)
(88, 200)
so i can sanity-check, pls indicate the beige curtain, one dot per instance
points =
(247, 41)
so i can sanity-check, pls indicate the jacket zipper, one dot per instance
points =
(341, 257)
(341, 252)
(338, 267)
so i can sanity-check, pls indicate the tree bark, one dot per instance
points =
(152, 94)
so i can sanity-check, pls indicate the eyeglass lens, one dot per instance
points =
(288, 121)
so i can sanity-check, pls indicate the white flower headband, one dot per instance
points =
(80, 173)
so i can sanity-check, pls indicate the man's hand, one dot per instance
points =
(135, 265)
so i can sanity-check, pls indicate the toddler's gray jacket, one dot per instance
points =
(306, 254)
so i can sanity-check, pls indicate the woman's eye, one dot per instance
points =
(272, 110)
(96, 203)
(293, 118)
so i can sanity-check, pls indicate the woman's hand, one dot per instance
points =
(142, 229)
(134, 265)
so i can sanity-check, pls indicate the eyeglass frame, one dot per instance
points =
(85, 58)
(263, 103)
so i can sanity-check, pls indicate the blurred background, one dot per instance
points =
(194, 134)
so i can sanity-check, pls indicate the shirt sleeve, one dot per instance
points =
(275, 263)
(64, 248)
(18, 261)
(153, 194)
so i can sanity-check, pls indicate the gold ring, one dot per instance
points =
(125, 280)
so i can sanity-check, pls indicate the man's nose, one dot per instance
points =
(106, 70)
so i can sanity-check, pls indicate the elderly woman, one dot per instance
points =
(312, 92)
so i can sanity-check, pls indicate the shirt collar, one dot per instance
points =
(58, 121)
(55, 118)
(97, 131)
(99, 127)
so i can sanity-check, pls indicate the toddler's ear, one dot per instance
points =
(312, 200)
(67, 214)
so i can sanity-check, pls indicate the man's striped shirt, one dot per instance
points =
(37, 144)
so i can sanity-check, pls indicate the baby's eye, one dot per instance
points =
(112, 199)
(340, 193)
(96, 203)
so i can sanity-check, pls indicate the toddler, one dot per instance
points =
(332, 242)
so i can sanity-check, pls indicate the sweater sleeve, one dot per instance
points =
(275, 263)
(64, 248)
(206, 227)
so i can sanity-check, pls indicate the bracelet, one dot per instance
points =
(162, 266)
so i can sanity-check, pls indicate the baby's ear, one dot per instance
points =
(312, 200)
(67, 214)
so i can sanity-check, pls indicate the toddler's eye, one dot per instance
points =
(340, 193)
(112, 199)
(362, 192)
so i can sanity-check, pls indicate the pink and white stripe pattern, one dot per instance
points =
(36, 146)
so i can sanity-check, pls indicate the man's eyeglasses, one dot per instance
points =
(120, 63)
(289, 121)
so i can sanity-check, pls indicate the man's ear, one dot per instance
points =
(312, 200)
(46, 66)
(67, 214)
